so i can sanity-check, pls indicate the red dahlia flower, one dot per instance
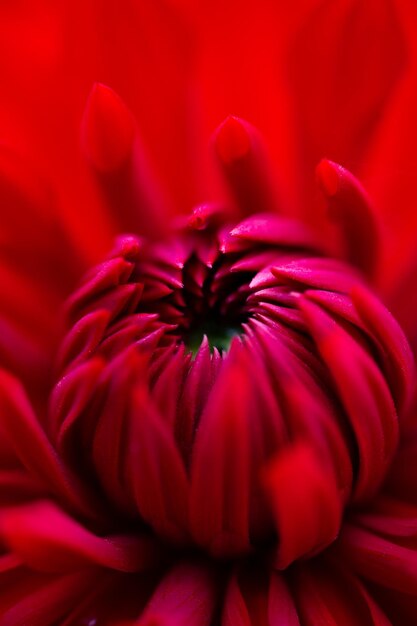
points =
(222, 434)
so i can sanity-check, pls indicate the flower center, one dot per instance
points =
(214, 305)
(199, 297)
(255, 435)
(219, 335)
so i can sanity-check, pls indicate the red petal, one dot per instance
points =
(270, 230)
(220, 469)
(305, 501)
(363, 391)
(395, 351)
(47, 539)
(115, 154)
(156, 470)
(186, 596)
(282, 609)
(27, 437)
(378, 559)
(108, 129)
(350, 206)
(41, 601)
(334, 598)
(235, 612)
(246, 167)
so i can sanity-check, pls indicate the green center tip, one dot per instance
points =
(219, 336)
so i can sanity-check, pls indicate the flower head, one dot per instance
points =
(217, 445)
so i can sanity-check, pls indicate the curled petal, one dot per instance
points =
(252, 599)
(41, 600)
(363, 310)
(197, 386)
(307, 413)
(350, 206)
(107, 278)
(269, 230)
(220, 470)
(391, 518)
(235, 612)
(25, 434)
(281, 605)
(246, 167)
(395, 351)
(334, 597)
(108, 129)
(205, 216)
(47, 539)
(83, 338)
(317, 273)
(167, 389)
(186, 596)
(378, 559)
(156, 470)
(363, 391)
(72, 395)
(114, 152)
(305, 501)
(120, 300)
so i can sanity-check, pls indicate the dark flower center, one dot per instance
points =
(219, 335)
(214, 304)
(204, 299)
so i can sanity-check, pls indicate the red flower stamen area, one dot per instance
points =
(222, 439)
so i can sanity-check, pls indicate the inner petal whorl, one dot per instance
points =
(244, 387)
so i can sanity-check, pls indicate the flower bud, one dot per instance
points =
(231, 386)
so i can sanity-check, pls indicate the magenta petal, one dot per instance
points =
(281, 606)
(32, 446)
(83, 339)
(39, 600)
(350, 206)
(108, 130)
(271, 230)
(334, 597)
(317, 273)
(305, 501)
(186, 596)
(71, 396)
(246, 167)
(116, 156)
(396, 353)
(379, 559)
(235, 612)
(363, 391)
(157, 473)
(47, 539)
(220, 468)
(258, 597)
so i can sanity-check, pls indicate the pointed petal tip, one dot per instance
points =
(232, 141)
(327, 173)
(108, 129)
(203, 216)
(351, 208)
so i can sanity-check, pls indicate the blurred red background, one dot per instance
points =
(319, 78)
